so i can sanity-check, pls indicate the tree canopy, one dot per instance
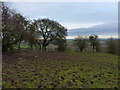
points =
(49, 30)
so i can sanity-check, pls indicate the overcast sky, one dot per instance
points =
(75, 15)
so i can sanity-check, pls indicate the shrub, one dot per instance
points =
(112, 46)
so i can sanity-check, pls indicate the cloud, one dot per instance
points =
(103, 30)
(40, 17)
(82, 18)
(70, 25)
(75, 12)
(61, 0)
(108, 36)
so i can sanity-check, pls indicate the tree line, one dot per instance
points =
(82, 43)
(94, 42)
(40, 32)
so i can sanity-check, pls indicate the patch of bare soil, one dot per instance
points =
(30, 55)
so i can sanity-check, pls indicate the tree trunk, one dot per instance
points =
(93, 48)
(19, 46)
(39, 45)
(43, 48)
(4, 49)
(31, 46)
(81, 50)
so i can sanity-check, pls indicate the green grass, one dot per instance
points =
(22, 46)
(70, 70)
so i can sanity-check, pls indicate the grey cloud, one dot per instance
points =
(105, 29)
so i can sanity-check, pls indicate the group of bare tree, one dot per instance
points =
(83, 42)
(40, 32)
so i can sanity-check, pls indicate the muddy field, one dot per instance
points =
(59, 70)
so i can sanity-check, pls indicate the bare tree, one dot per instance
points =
(81, 43)
(95, 44)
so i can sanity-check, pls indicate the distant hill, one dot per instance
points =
(103, 29)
